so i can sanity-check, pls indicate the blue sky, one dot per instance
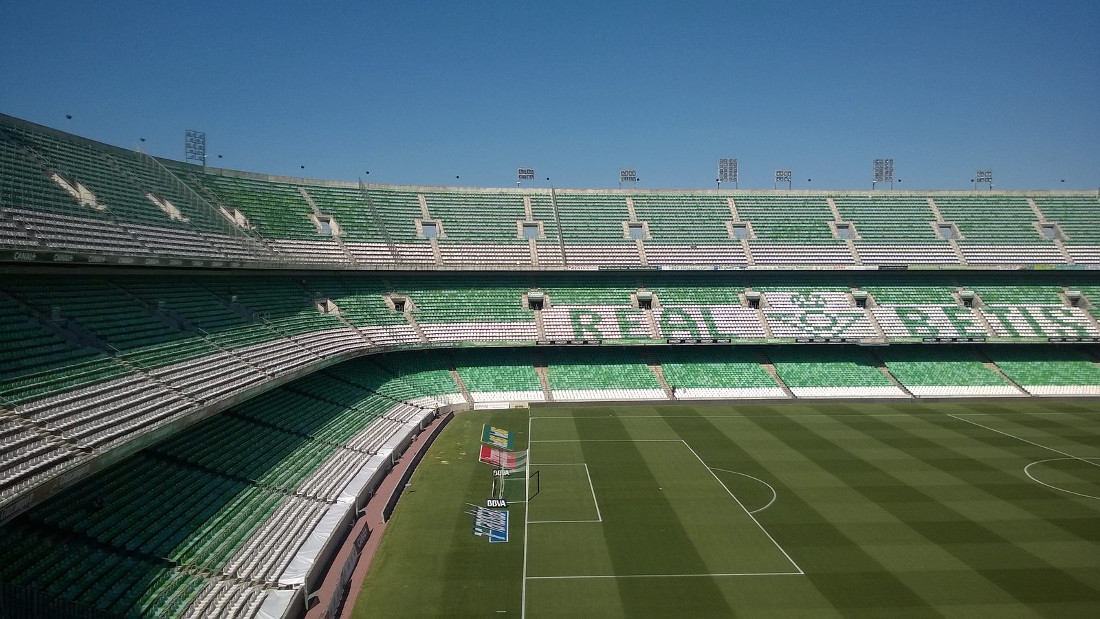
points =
(421, 92)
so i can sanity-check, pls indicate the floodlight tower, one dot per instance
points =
(882, 171)
(627, 176)
(782, 176)
(984, 176)
(194, 146)
(727, 172)
(524, 174)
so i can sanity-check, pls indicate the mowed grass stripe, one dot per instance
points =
(472, 560)
(844, 576)
(1069, 455)
(988, 430)
(870, 511)
(1023, 576)
(1073, 434)
(429, 564)
(661, 547)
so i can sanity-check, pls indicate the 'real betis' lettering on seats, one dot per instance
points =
(713, 321)
(819, 323)
(632, 324)
(815, 319)
(1038, 321)
(929, 321)
(675, 322)
(597, 323)
(585, 322)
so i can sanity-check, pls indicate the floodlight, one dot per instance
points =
(984, 176)
(727, 171)
(627, 176)
(194, 146)
(782, 176)
(882, 171)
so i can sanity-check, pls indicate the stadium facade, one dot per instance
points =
(205, 373)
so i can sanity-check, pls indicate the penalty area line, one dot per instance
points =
(742, 505)
(1040, 445)
(714, 575)
(774, 495)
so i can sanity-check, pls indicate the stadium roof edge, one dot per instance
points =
(6, 118)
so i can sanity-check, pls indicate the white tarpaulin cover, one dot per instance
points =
(277, 604)
(362, 479)
(308, 554)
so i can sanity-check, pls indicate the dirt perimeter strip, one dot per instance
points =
(373, 520)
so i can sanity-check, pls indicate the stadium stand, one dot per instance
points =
(717, 374)
(214, 517)
(944, 372)
(600, 374)
(500, 375)
(822, 372)
(1049, 371)
(204, 373)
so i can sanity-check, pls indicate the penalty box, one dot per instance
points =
(678, 516)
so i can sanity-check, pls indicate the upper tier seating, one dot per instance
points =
(990, 219)
(482, 217)
(127, 206)
(692, 219)
(889, 219)
(787, 219)
(1078, 217)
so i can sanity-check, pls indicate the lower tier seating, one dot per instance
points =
(1043, 370)
(214, 519)
(944, 371)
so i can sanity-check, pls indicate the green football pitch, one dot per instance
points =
(868, 509)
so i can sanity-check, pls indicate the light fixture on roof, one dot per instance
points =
(627, 176)
(882, 171)
(727, 172)
(782, 176)
(983, 176)
(524, 174)
(194, 146)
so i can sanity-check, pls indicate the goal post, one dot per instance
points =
(532, 485)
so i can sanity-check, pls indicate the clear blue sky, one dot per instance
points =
(419, 92)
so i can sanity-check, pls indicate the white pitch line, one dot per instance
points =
(558, 464)
(774, 495)
(1068, 455)
(781, 549)
(526, 519)
(610, 440)
(821, 415)
(1039, 481)
(717, 575)
(560, 521)
(592, 487)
